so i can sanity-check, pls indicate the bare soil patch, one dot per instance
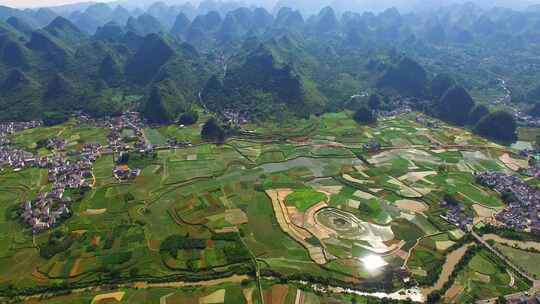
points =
(216, 297)
(108, 297)
(452, 260)
(248, 294)
(411, 205)
(443, 245)
(76, 268)
(363, 195)
(91, 212)
(513, 163)
(236, 216)
(453, 292)
(279, 293)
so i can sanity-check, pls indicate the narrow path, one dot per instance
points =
(257, 270)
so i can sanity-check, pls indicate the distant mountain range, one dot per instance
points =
(224, 56)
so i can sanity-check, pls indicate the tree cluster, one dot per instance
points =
(213, 132)
(174, 243)
(365, 116)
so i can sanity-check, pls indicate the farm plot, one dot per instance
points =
(484, 277)
(526, 260)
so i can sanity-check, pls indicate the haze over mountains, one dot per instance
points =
(222, 56)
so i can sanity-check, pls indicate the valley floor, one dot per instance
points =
(307, 204)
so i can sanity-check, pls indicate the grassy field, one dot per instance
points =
(74, 133)
(524, 259)
(304, 198)
(528, 134)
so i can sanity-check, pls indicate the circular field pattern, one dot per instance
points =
(347, 226)
(344, 223)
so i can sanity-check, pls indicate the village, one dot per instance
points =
(523, 200)
(47, 209)
(69, 171)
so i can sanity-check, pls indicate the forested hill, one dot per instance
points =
(169, 58)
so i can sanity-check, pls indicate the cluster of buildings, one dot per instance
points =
(427, 122)
(533, 157)
(371, 146)
(15, 158)
(49, 208)
(396, 106)
(123, 172)
(129, 120)
(455, 214)
(524, 299)
(235, 118)
(179, 143)
(534, 169)
(523, 200)
(521, 115)
(69, 171)
(11, 156)
(12, 127)
(55, 143)
(524, 118)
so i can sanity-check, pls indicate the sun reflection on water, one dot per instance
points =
(373, 262)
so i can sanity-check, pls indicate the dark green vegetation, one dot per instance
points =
(189, 118)
(212, 131)
(102, 60)
(498, 126)
(365, 116)
(454, 105)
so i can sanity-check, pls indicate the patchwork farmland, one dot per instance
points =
(292, 207)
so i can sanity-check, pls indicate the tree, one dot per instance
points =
(499, 126)
(374, 102)
(212, 131)
(189, 118)
(477, 113)
(434, 297)
(455, 105)
(54, 118)
(364, 116)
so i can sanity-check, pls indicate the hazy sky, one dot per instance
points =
(44, 3)
(38, 3)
